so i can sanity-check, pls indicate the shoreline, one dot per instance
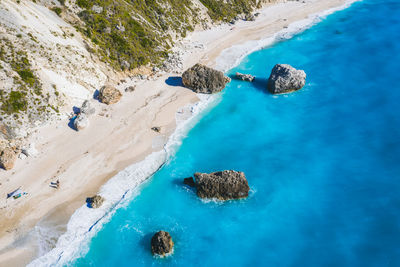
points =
(150, 111)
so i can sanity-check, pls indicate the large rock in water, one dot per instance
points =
(109, 95)
(204, 80)
(284, 79)
(222, 185)
(95, 201)
(81, 122)
(161, 243)
(7, 158)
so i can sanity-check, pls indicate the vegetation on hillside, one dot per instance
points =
(133, 33)
(226, 11)
(27, 97)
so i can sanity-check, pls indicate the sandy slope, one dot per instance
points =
(118, 136)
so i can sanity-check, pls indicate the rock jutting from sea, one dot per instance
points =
(204, 80)
(244, 77)
(162, 244)
(285, 79)
(222, 185)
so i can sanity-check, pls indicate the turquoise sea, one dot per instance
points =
(323, 163)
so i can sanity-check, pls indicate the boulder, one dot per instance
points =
(109, 95)
(189, 181)
(205, 80)
(6, 132)
(244, 77)
(81, 122)
(223, 185)
(87, 108)
(95, 201)
(161, 243)
(130, 89)
(284, 79)
(29, 151)
(7, 158)
(156, 129)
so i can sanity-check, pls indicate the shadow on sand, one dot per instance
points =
(174, 81)
(76, 110)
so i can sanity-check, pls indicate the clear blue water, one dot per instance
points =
(322, 163)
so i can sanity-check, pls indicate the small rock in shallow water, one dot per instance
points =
(161, 243)
(244, 77)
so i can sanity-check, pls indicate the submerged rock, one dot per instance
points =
(244, 77)
(95, 201)
(81, 122)
(284, 79)
(109, 95)
(161, 243)
(223, 185)
(205, 80)
(7, 158)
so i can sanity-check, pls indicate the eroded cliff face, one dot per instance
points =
(55, 54)
(44, 65)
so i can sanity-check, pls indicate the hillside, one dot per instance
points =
(55, 54)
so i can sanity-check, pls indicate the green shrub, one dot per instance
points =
(15, 102)
(57, 10)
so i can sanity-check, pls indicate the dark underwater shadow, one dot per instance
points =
(258, 83)
(179, 183)
(174, 81)
(261, 84)
(145, 242)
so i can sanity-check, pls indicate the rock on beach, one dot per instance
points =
(81, 122)
(204, 80)
(95, 201)
(109, 95)
(7, 158)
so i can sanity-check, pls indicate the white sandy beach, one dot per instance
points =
(120, 135)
